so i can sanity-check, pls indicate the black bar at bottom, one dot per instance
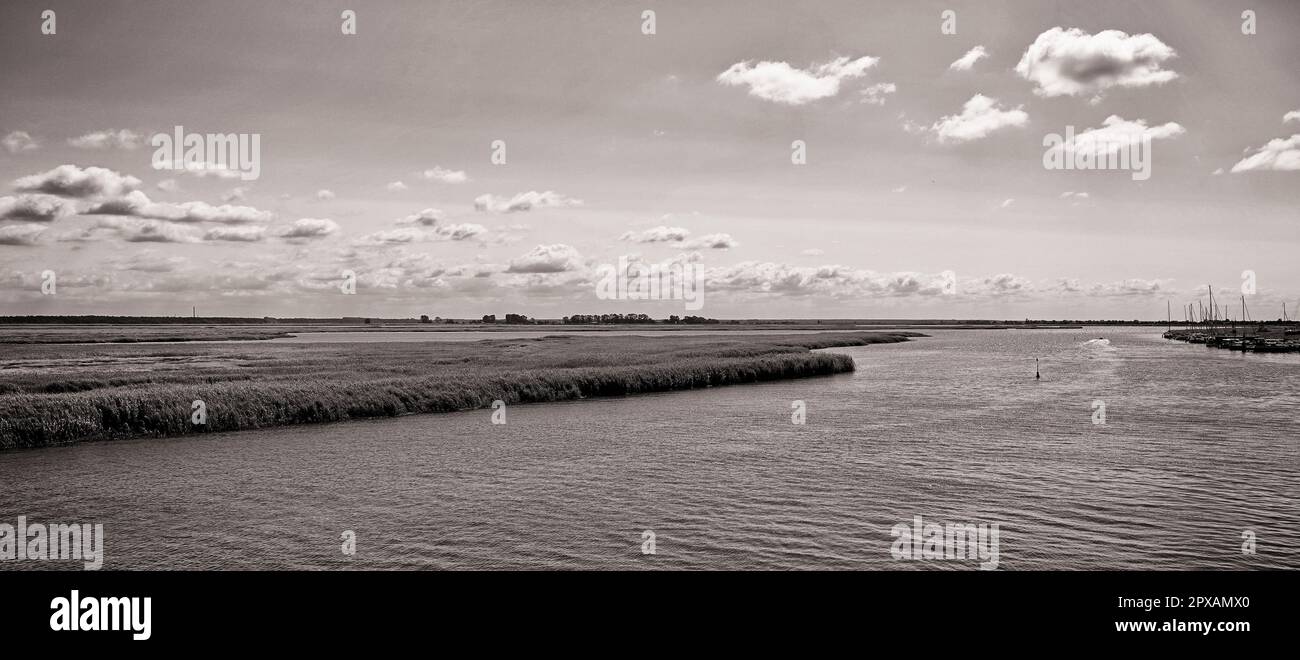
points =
(232, 609)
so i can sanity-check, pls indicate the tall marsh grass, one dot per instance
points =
(111, 392)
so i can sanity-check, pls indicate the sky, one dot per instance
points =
(922, 191)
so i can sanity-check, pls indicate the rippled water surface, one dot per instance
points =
(1198, 446)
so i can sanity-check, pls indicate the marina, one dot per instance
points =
(1211, 325)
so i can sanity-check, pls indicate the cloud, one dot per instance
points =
(303, 228)
(557, 258)
(19, 142)
(900, 189)
(1280, 154)
(1122, 288)
(396, 186)
(998, 285)
(148, 262)
(109, 139)
(812, 252)
(875, 94)
(979, 117)
(72, 181)
(524, 202)
(444, 175)
(38, 208)
(236, 194)
(428, 218)
(680, 238)
(759, 279)
(225, 214)
(781, 83)
(1006, 203)
(659, 234)
(168, 185)
(1117, 133)
(965, 62)
(139, 205)
(27, 234)
(711, 241)
(144, 230)
(240, 234)
(458, 232)
(832, 281)
(1293, 115)
(1074, 63)
(324, 195)
(1078, 195)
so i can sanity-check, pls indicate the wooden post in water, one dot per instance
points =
(1036, 376)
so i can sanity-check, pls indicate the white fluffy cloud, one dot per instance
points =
(979, 117)
(1072, 62)
(781, 83)
(557, 258)
(73, 181)
(1117, 133)
(965, 62)
(1282, 154)
(238, 234)
(680, 238)
(428, 218)
(1293, 115)
(18, 142)
(524, 202)
(443, 175)
(145, 230)
(108, 139)
(309, 228)
(395, 186)
(1122, 288)
(831, 281)
(25, 234)
(137, 204)
(37, 208)
(456, 232)
(711, 241)
(226, 213)
(324, 195)
(659, 234)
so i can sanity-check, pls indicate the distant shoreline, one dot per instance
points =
(124, 333)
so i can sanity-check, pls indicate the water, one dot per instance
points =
(1198, 446)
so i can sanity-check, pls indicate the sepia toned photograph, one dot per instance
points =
(741, 286)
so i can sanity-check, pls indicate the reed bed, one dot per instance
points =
(57, 395)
